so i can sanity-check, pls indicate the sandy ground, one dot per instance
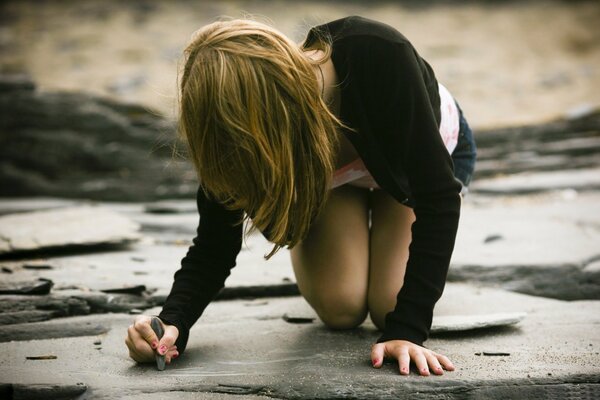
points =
(507, 62)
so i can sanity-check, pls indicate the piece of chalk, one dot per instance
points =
(157, 328)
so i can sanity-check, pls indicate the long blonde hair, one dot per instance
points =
(261, 137)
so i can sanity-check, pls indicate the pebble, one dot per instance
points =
(45, 357)
(492, 353)
(493, 238)
(297, 320)
(38, 266)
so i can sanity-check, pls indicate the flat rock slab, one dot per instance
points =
(458, 323)
(41, 391)
(58, 328)
(535, 244)
(512, 241)
(527, 182)
(245, 348)
(76, 226)
(19, 205)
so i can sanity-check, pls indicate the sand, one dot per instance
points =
(507, 63)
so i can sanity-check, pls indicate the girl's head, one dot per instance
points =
(259, 134)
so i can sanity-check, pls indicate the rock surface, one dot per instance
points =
(76, 226)
(537, 244)
(41, 391)
(76, 145)
(457, 323)
(258, 354)
(569, 143)
(58, 328)
(81, 146)
(308, 360)
(585, 179)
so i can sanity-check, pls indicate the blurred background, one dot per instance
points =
(509, 63)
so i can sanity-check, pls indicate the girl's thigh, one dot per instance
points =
(390, 238)
(332, 264)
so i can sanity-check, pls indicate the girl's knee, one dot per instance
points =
(342, 314)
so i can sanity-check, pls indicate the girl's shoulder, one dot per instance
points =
(352, 27)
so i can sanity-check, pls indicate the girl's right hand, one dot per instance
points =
(142, 342)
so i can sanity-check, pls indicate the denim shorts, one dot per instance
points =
(465, 153)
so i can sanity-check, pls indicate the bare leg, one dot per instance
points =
(390, 237)
(332, 264)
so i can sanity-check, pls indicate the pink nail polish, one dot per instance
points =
(163, 349)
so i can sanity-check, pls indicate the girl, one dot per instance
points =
(346, 150)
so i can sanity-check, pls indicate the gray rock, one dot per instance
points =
(456, 323)
(236, 350)
(19, 205)
(76, 145)
(573, 141)
(57, 305)
(40, 286)
(592, 267)
(548, 241)
(37, 265)
(78, 226)
(16, 83)
(20, 317)
(171, 207)
(58, 328)
(21, 309)
(103, 303)
(136, 289)
(528, 182)
(42, 391)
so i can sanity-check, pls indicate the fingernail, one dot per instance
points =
(375, 362)
(175, 355)
(154, 345)
(163, 349)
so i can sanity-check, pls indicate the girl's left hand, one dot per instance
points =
(405, 351)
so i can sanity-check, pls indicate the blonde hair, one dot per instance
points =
(261, 137)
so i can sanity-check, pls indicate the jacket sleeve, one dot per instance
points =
(205, 267)
(406, 126)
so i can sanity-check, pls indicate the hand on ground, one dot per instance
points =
(405, 352)
(143, 344)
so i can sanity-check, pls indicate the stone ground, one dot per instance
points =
(528, 242)
(534, 253)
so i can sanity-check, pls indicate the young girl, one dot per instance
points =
(346, 150)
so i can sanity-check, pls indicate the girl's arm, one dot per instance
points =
(205, 267)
